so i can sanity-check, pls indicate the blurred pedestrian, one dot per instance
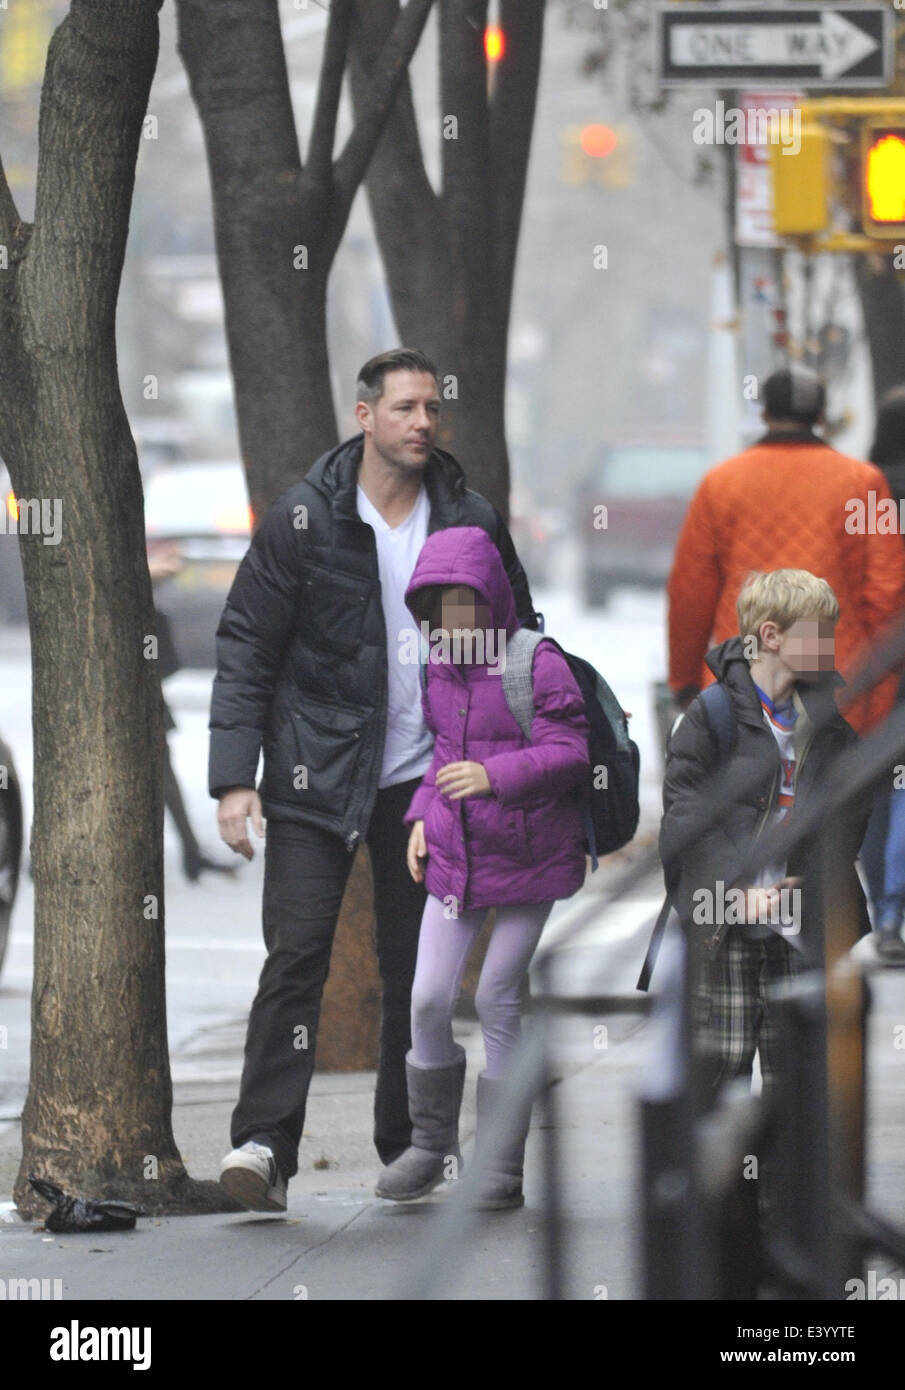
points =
(498, 826)
(310, 668)
(784, 503)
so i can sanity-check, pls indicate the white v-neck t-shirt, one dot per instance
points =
(409, 743)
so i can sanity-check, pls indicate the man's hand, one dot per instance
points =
(463, 779)
(234, 808)
(417, 851)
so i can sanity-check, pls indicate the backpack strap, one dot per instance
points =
(720, 716)
(518, 683)
(518, 687)
(653, 949)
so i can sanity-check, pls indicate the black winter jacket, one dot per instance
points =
(301, 645)
(718, 852)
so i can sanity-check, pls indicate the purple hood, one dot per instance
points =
(467, 555)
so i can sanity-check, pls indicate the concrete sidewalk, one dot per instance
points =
(337, 1241)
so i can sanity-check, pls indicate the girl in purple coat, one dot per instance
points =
(495, 823)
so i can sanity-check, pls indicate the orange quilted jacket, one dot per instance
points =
(781, 505)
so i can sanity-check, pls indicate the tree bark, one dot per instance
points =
(450, 256)
(883, 310)
(97, 1118)
(279, 222)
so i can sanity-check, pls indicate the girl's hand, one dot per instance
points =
(463, 779)
(417, 851)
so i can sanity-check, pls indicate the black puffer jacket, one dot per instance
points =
(302, 651)
(717, 852)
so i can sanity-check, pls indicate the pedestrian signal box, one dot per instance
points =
(883, 179)
(801, 183)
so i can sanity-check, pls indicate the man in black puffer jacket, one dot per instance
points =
(314, 667)
(786, 734)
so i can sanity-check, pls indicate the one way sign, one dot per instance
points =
(813, 46)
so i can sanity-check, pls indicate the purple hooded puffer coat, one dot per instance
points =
(523, 843)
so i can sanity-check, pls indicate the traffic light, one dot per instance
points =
(844, 189)
(494, 43)
(883, 179)
(597, 141)
(597, 153)
(801, 183)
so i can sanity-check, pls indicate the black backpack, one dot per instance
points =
(610, 803)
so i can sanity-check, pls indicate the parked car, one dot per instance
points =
(11, 837)
(630, 511)
(204, 508)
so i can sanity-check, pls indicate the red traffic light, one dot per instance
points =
(598, 140)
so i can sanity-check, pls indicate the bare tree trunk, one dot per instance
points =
(98, 1113)
(279, 222)
(450, 257)
(883, 309)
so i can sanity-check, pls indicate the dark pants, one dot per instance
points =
(305, 875)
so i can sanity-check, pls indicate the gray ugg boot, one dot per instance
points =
(502, 1186)
(435, 1098)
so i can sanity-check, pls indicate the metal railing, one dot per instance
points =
(706, 1232)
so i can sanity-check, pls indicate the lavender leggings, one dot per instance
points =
(443, 950)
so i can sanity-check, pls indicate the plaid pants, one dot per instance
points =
(732, 1014)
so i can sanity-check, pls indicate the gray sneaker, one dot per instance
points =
(251, 1177)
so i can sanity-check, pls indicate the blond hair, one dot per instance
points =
(783, 597)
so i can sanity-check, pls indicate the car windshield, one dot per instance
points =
(652, 470)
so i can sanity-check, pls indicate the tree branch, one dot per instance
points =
(9, 213)
(333, 65)
(467, 192)
(406, 210)
(392, 67)
(463, 94)
(236, 63)
(512, 109)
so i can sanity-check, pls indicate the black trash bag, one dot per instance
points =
(71, 1214)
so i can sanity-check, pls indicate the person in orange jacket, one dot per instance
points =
(790, 501)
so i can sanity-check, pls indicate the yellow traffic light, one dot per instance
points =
(801, 183)
(883, 179)
(23, 47)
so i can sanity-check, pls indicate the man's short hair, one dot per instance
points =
(783, 597)
(795, 393)
(372, 374)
